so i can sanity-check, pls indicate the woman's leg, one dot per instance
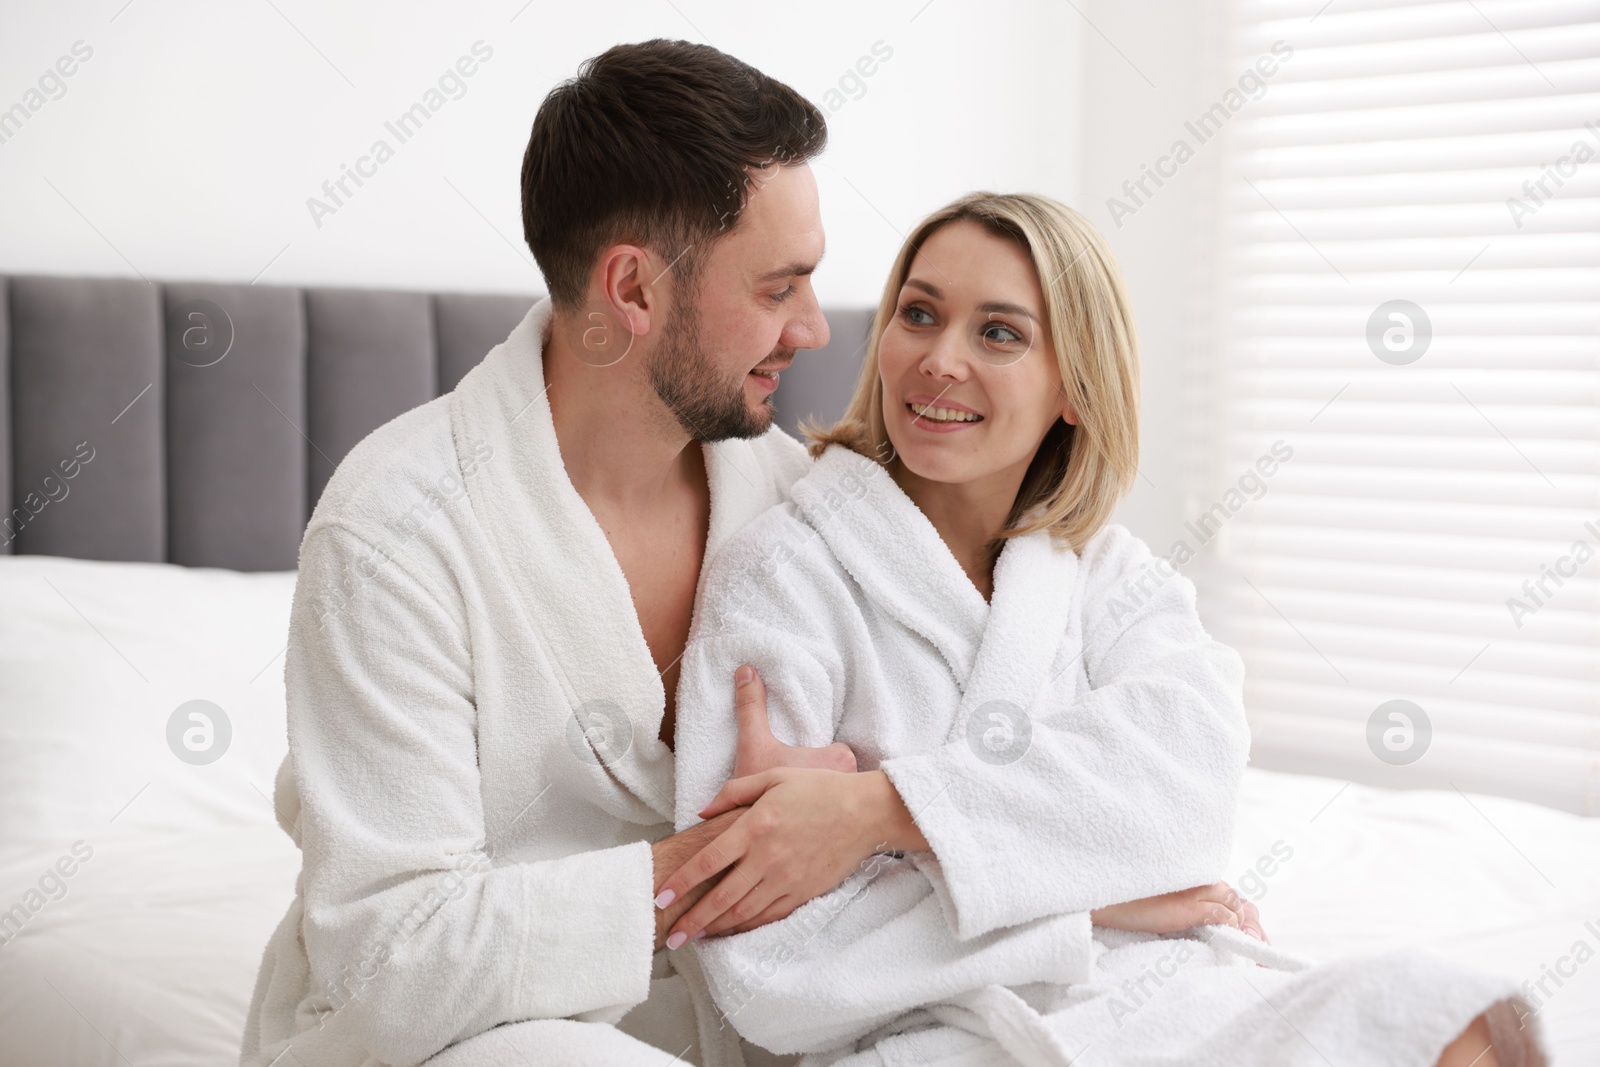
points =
(1472, 1049)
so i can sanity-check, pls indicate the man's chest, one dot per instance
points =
(661, 561)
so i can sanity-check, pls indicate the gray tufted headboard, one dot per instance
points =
(198, 423)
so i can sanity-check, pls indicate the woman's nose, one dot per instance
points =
(947, 358)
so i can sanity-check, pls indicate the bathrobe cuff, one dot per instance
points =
(1126, 788)
(975, 886)
(589, 932)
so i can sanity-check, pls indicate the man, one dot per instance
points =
(495, 589)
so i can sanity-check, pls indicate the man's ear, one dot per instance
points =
(626, 275)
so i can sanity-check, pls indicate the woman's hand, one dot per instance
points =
(1167, 914)
(805, 831)
(758, 750)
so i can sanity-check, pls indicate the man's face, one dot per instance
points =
(717, 364)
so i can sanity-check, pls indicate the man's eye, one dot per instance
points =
(780, 297)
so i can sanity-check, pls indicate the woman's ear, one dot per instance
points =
(1069, 414)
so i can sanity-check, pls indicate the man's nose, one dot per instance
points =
(808, 329)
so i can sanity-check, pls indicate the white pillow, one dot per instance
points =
(95, 658)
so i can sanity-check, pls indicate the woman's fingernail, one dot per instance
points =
(666, 897)
(677, 939)
(698, 936)
(743, 675)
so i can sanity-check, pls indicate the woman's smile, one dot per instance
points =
(937, 415)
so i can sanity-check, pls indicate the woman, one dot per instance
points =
(1046, 734)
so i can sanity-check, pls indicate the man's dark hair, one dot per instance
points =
(650, 144)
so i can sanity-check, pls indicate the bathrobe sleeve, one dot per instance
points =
(1126, 790)
(419, 937)
(745, 615)
(879, 945)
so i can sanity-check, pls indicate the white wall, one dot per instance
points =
(187, 145)
(1148, 64)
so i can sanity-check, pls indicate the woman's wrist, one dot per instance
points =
(887, 822)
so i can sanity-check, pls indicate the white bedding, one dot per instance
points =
(150, 956)
(1500, 884)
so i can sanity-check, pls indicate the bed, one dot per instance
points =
(141, 866)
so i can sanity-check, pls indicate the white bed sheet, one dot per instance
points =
(1501, 885)
(150, 956)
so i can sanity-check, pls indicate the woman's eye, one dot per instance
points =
(910, 313)
(1001, 334)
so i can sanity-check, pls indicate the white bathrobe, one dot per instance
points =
(475, 770)
(1076, 741)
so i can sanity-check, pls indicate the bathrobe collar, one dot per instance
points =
(567, 579)
(997, 650)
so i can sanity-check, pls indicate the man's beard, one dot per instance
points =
(685, 378)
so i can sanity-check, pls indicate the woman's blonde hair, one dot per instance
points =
(1079, 472)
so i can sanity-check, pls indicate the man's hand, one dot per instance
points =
(758, 750)
(1167, 914)
(671, 853)
(803, 832)
(799, 843)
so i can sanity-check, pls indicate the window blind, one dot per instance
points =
(1408, 254)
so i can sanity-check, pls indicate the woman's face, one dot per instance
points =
(970, 379)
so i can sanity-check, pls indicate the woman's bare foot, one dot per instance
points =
(1204, 904)
(1472, 1049)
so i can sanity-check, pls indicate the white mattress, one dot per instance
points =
(146, 954)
